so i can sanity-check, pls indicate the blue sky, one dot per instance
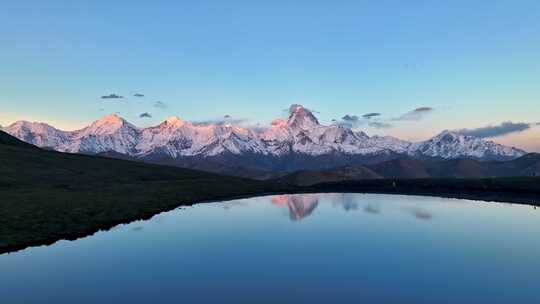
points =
(476, 63)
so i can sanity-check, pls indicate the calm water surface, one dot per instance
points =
(327, 248)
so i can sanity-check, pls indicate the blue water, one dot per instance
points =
(327, 248)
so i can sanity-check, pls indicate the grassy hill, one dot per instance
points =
(308, 177)
(409, 168)
(47, 196)
(523, 190)
(8, 140)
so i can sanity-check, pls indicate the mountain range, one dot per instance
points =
(299, 142)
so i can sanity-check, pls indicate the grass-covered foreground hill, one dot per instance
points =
(46, 196)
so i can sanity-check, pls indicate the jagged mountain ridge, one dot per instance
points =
(298, 142)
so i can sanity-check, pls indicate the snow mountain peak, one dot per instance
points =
(301, 118)
(110, 119)
(107, 125)
(174, 121)
(450, 144)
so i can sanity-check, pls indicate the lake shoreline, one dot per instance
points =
(143, 216)
(486, 196)
(47, 196)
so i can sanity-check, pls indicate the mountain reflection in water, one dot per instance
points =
(303, 205)
(300, 206)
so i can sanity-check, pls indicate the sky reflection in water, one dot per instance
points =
(316, 248)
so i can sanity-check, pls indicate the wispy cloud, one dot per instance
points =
(226, 119)
(138, 95)
(145, 115)
(371, 115)
(380, 125)
(160, 105)
(375, 121)
(349, 121)
(351, 118)
(497, 130)
(354, 121)
(415, 114)
(112, 96)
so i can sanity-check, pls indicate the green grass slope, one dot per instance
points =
(308, 178)
(523, 190)
(6, 139)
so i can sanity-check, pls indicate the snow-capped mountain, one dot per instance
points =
(299, 140)
(39, 134)
(110, 133)
(175, 138)
(451, 145)
(391, 143)
(303, 134)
